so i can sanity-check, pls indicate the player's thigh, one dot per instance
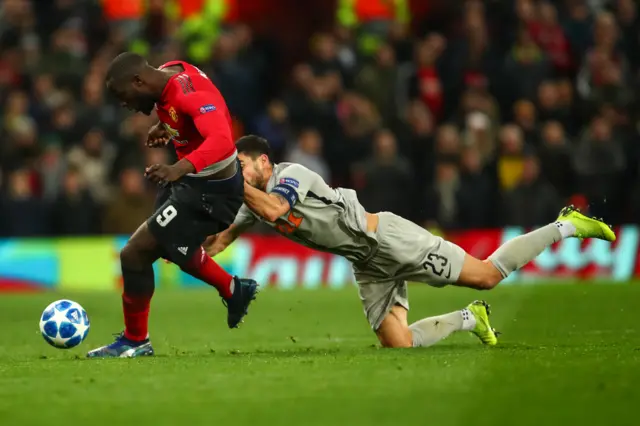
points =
(141, 248)
(415, 254)
(478, 274)
(195, 209)
(383, 304)
(174, 225)
(394, 331)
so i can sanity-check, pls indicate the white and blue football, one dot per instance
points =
(64, 324)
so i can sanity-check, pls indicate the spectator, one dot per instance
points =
(52, 168)
(420, 146)
(479, 116)
(378, 82)
(325, 56)
(427, 84)
(22, 213)
(511, 158)
(45, 98)
(274, 126)
(64, 128)
(74, 212)
(360, 120)
(532, 202)
(448, 144)
(379, 177)
(549, 35)
(578, 26)
(346, 53)
(308, 152)
(550, 106)
(471, 62)
(629, 21)
(238, 83)
(476, 196)
(524, 115)
(130, 207)
(556, 156)
(526, 66)
(66, 59)
(94, 158)
(600, 163)
(95, 113)
(442, 198)
(604, 67)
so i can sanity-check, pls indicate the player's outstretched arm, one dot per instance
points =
(268, 206)
(215, 244)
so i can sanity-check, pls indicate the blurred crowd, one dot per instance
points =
(496, 113)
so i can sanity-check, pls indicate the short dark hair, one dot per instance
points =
(125, 66)
(253, 146)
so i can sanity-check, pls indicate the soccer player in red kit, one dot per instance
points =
(199, 195)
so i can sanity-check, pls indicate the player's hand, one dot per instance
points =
(158, 136)
(209, 245)
(161, 173)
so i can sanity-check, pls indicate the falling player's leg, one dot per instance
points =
(386, 305)
(407, 251)
(521, 250)
(410, 252)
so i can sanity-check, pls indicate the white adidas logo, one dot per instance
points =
(183, 250)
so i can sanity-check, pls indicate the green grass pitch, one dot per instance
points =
(569, 355)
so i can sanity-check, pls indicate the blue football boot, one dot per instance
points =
(244, 291)
(123, 348)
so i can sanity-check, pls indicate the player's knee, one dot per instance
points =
(133, 255)
(129, 255)
(479, 275)
(489, 278)
(394, 338)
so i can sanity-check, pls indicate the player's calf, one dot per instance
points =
(394, 332)
(237, 293)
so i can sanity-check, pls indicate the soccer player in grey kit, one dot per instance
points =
(385, 250)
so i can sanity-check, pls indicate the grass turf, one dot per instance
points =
(570, 354)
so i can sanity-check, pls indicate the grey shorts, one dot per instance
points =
(406, 252)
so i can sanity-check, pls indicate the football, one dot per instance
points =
(64, 324)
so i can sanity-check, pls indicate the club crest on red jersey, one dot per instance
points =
(173, 114)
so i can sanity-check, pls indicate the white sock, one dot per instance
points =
(429, 331)
(468, 320)
(566, 228)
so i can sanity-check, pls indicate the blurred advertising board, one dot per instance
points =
(93, 263)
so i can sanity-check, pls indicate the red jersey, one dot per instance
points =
(195, 114)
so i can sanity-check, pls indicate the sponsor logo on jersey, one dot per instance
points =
(207, 108)
(290, 181)
(173, 114)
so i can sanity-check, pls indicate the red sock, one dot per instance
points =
(136, 316)
(204, 268)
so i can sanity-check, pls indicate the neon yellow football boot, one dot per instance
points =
(481, 311)
(586, 227)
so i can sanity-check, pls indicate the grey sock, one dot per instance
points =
(516, 253)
